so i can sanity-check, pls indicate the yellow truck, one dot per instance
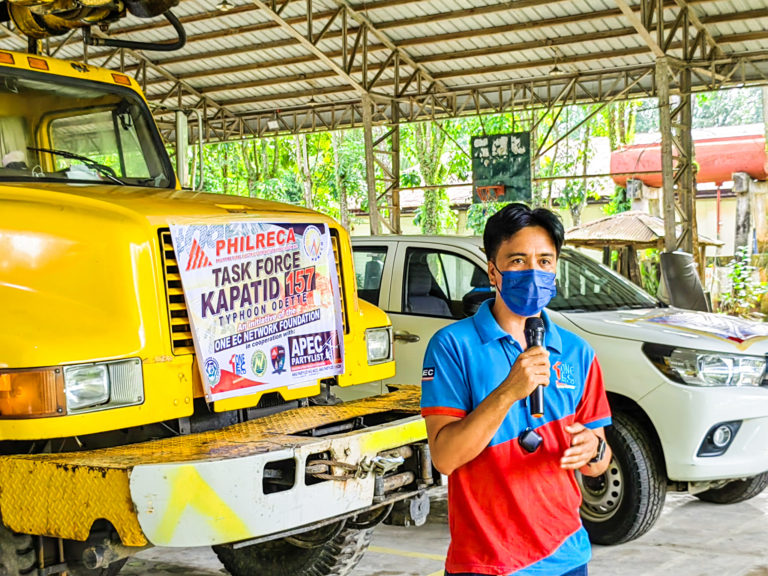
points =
(112, 435)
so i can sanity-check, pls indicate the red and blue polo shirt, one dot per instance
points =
(511, 511)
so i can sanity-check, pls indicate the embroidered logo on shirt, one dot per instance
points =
(565, 375)
(427, 374)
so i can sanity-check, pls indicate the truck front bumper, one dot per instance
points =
(209, 488)
(683, 415)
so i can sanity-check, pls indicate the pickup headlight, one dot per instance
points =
(378, 342)
(704, 368)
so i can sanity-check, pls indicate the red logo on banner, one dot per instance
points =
(197, 258)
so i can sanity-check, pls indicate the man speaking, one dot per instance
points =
(513, 500)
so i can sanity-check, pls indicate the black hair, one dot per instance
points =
(512, 218)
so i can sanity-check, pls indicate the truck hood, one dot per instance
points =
(81, 277)
(158, 205)
(676, 327)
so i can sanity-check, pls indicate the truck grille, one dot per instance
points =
(181, 331)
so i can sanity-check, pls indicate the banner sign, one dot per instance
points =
(502, 160)
(263, 303)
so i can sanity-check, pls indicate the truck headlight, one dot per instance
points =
(378, 341)
(705, 368)
(86, 386)
(103, 385)
(58, 391)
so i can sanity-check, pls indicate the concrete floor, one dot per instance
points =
(691, 538)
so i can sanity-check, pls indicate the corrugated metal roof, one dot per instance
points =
(633, 227)
(472, 55)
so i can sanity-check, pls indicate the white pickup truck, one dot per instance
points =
(688, 390)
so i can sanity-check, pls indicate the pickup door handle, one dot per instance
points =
(404, 336)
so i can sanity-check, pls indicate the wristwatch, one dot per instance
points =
(600, 451)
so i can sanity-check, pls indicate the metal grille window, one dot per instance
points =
(181, 331)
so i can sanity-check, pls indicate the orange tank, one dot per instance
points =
(717, 159)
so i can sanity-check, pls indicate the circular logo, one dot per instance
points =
(259, 363)
(312, 242)
(212, 371)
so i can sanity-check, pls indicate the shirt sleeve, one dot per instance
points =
(593, 410)
(444, 387)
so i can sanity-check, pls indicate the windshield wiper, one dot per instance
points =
(101, 168)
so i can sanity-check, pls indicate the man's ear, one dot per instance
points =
(492, 274)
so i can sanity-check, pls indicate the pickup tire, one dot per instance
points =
(624, 502)
(335, 557)
(736, 491)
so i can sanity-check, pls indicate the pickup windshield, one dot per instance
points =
(54, 128)
(584, 285)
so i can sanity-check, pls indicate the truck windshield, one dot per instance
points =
(584, 285)
(58, 129)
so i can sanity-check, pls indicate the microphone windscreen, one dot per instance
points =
(534, 323)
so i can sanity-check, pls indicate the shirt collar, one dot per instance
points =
(489, 330)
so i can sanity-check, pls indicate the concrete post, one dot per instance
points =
(741, 187)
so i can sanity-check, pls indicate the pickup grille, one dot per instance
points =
(181, 331)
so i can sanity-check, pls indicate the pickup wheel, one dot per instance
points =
(624, 502)
(736, 491)
(299, 555)
(17, 553)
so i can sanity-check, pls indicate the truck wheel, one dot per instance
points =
(335, 557)
(736, 491)
(624, 502)
(17, 553)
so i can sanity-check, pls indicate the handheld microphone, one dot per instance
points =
(534, 336)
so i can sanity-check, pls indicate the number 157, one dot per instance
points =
(300, 281)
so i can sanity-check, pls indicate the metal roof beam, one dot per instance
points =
(697, 23)
(543, 23)
(460, 73)
(640, 26)
(307, 42)
(588, 37)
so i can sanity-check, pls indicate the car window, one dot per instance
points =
(369, 266)
(583, 284)
(441, 283)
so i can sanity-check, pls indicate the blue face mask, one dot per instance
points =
(526, 292)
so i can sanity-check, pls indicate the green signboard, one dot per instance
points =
(501, 160)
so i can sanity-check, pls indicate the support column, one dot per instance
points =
(395, 190)
(667, 174)
(677, 155)
(742, 188)
(370, 166)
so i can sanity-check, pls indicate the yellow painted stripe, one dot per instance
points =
(438, 573)
(407, 554)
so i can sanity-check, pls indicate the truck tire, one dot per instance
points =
(336, 557)
(17, 553)
(736, 491)
(625, 502)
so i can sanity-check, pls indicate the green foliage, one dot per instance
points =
(732, 107)
(479, 213)
(437, 154)
(745, 293)
(650, 271)
(618, 202)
